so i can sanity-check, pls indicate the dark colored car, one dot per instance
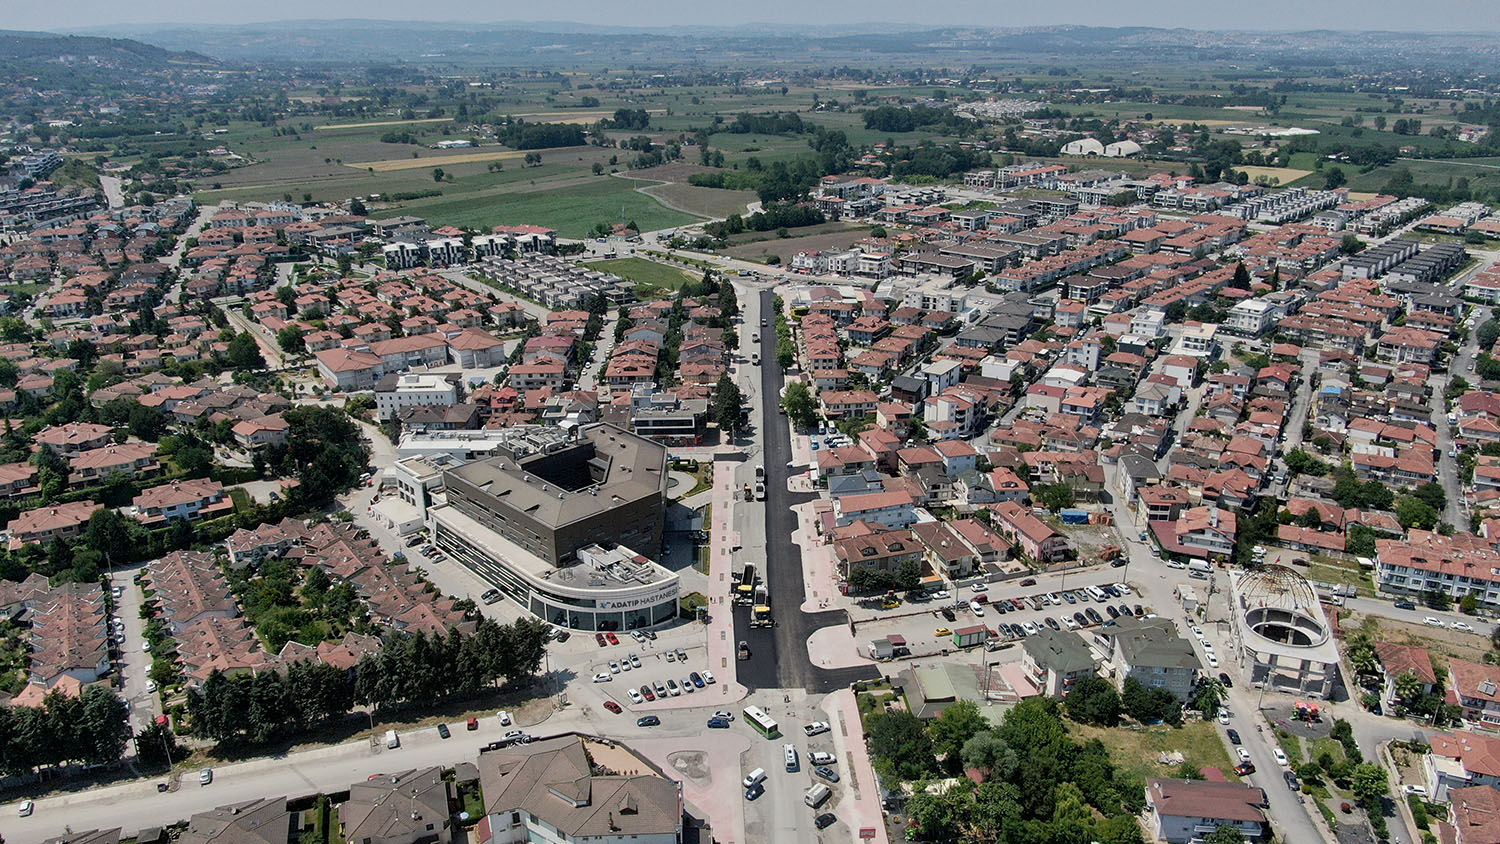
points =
(1291, 779)
(1125, 610)
(697, 680)
(490, 596)
(754, 791)
(599, 637)
(1052, 622)
(1030, 581)
(612, 706)
(1234, 735)
(1118, 562)
(1405, 605)
(1082, 621)
(1224, 678)
(1094, 615)
(1111, 611)
(443, 730)
(647, 721)
(948, 614)
(718, 724)
(1139, 611)
(562, 636)
(825, 820)
(827, 773)
(1244, 769)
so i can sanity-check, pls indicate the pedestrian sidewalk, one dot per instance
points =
(819, 564)
(860, 808)
(722, 539)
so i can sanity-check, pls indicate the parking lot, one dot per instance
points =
(1009, 613)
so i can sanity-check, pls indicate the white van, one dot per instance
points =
(818, 757)
(816, 795)
(1099, 595)
(755, 776)
(392, 741)
(790, 751)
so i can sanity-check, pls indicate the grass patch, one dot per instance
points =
(644, 272)
(1340, 575)
(572, 210)
(1291, 746)
(1137, 749)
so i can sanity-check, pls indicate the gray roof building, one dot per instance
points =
(410, 807)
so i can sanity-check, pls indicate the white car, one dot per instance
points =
(1224, 717)
(1198, 631)
(725, 714)
(638, 635)
(601, 678)
(1459, 625)
(979, 587)
(942, 595)
(1280, 757)
(1419, 790)
(687, 685)
(816, 728)
(505, 719)
(1213, 661)
(1431, 622)
(614, 667)
(635, 661)
(976, 609)
(635, 696)
(146, 646)
(150, 686)
(708, 677)
(1242, 753)
(26, 808)
(1070, 623)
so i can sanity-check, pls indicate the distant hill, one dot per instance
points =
(64, 60)
(544, 43)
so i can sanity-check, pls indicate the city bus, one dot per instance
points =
(761, 722)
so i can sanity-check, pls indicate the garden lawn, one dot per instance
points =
(1137, 749)
(572, 210)
(644, 272)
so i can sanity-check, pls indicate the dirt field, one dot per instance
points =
(785, 248)
(1439, 640)
(377, 123)
(705, 202)
(1287, 175)
(390, 164)
(678, 171)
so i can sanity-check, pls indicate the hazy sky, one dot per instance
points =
(1426, 15)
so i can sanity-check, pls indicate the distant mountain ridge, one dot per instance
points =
(548, 42)
(21, 50)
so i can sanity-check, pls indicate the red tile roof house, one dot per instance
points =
(44, 524)
(1185, 810)
(1033, 537)
(132, 459)
(190, 500)
(1475, 687)
(74, 437)
(258, 433)
(1474, 813)
(346, 369)
(1398, 660)
(1460, 759)
(884, 551)
(891, 509)
(845, 404)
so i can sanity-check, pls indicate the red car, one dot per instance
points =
(1030, 581)
(981, 598)
(613, 639)
(647, 693)
(612, 706)
(599, 637)
(473, 724)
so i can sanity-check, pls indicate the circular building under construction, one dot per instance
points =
(1283, 637)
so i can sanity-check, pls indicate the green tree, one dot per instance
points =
(1369, 783)
(899, 745)
(1333, 178)
(289, 339)
(729, 405)
(1413, 512)
(1224, 834)
(800, 406)
(951, 730)
(108, 534)
(908, 576)
(437, 174)
(1054, 496)
(1241, 277)
(243, 354)
(867, 579)
(1093, 701)
(988, 752)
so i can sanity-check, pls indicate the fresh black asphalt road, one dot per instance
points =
(778, 654)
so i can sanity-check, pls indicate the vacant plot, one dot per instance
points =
(1439, 640)
(785, 248)
(572, 209)
(705, 202)
(1283, 175)
(644, 272)
(677, 171)
(333, 126)
(1137, 748)
(390, 164)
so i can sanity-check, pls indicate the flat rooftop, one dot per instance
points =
(564, 478)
